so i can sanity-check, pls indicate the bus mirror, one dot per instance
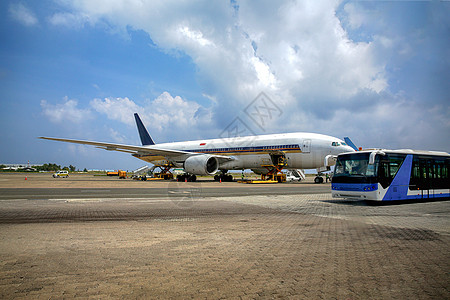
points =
(373, 154)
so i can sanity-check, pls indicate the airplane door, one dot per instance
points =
(306, 146)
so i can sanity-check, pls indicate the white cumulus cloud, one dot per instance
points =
(165, 113)
(119, 109)
(67, 111)
(314, 58)
(22, 14)
(295, 50)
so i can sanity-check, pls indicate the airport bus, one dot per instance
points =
(389, 175)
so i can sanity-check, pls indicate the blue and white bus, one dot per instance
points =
(389, 175)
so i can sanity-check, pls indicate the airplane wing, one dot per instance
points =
(168, 153)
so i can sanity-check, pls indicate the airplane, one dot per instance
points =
(263, 154)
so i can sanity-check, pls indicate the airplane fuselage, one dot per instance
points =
(261, 153)
(301, 150)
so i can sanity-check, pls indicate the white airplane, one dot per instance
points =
(260, 153)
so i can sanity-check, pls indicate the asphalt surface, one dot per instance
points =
(96, 237)
(170, 190)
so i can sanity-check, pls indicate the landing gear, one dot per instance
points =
(187, 177)
(318, 179)
(223, 177)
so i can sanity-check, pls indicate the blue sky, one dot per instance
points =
(377, 71)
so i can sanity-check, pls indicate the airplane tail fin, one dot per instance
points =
(350, 143)
(146, 139)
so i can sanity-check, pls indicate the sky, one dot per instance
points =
(376, 71)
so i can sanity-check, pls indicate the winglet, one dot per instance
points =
(146, 139)
(350, 143)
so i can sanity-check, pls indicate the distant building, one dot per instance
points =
(22, 167)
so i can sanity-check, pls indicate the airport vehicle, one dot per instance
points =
(140, 173)
(120, 173)
(264, 154)
(62, 173)
(389, 175)
(295, 175)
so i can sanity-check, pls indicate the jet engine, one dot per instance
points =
(201, 164)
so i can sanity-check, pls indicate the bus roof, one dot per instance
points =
(404, 151)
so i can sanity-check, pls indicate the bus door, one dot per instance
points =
(425, 180)
(431, 177)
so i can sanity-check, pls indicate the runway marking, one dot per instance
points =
(79, 200)
(179, 192)
(175, 220)
(14, 199)
(94, 191)
(122, 199)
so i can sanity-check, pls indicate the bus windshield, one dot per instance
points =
(355, 168)
(355, 165)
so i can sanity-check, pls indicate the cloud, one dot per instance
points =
(22, 14)
(70, 20)
(165, 113)
(318, 60)
(116, 136)
(174, 116)
(119, 109)
(65, 112)
(297, 51)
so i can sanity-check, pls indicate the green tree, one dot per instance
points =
(49, 167)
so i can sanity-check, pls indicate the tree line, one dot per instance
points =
(49, 168)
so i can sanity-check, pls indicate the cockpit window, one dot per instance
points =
(335, 144)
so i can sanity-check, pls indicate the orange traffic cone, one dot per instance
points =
(25, 177)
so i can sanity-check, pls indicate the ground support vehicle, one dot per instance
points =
(120, 173)
(62, 173)
(390, 175)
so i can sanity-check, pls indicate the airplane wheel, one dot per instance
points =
(318, 180)
(192, 178)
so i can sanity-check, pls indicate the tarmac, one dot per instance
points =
(96, 237)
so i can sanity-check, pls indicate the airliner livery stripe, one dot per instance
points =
(264, 149)
(244, 150)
